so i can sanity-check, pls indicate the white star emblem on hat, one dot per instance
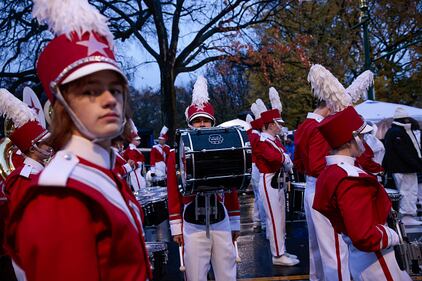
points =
(200, 106)
(94, 45)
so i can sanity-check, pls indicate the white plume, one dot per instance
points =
(133, 126)
(200, 91)
(326, 87)
(255, 110)
(249, 118)
(261, 106)
(359, 87)
(16, 110)
(275, 99)
(164, 130)
(67, 16)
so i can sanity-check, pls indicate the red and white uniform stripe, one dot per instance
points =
(78, 221)
(269, 160)
(358, 206)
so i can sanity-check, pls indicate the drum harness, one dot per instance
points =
(211, 212)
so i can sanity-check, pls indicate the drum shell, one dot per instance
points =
(394, 196)
(214, 159)
(158, 257)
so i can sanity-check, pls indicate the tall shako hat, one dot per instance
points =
(345, 124)
(257, 108)
(200, 106)
(163, 133)
(82, 46)
(133, 131)
(28, 131)
(274, 114)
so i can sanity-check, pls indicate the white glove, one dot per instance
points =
(287, 164)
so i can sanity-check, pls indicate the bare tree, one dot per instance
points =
(180, 35)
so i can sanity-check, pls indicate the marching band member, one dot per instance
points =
(136, 178)
(355, 203)
(270, 160)
(121, 166)
(78, 220)
(310, 151)
(254, 134)
(29, 137)
(200, 250)
(159, 155)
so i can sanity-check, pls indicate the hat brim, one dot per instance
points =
(366, 129)
(279, 120)
(90, 69)
(201, 115)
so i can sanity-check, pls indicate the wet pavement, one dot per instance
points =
(254, 250)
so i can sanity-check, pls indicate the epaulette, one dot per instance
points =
(26, 171)
(352, 171)
(59, 169)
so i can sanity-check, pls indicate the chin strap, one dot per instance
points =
(81, 127)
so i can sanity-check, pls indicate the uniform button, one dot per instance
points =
(67, 156)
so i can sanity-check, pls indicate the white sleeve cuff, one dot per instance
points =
(176, 227)
(152, 169)
(235, 223)
(393, 237)
(127, 168)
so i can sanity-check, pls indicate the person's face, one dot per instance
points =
(201, 122)
(274, 129)
(98, 103)
(136, 142)
(161, 141)
(41, 152)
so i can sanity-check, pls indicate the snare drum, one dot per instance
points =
(158, 257)
(394, 196)
(154, 204)
(210, 159)
(298, 197)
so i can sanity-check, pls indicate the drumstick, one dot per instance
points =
(238, 260)
(182, 267)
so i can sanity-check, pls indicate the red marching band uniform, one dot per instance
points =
(159, 154)
(356, 204)
(78, 220)
(200, 250)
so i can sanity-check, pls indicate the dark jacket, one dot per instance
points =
(402, 151)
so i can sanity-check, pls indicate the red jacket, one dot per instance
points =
(269, 154)
(176, 201)
(121, 166)
(253, 136)
(354, 202)
(83, 230)
(367, 163)
(134, 154)
(159, 154)
(310, 147)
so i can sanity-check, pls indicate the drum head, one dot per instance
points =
(156, 246)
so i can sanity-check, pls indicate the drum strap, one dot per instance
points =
(206, 210)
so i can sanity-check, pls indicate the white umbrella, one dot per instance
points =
(235, 122)
(376, 111)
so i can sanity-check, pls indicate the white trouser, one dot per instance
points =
(369, 266)
(199, 251)
(407, 184)
(323, 257)
(137, 181)
(275, 209)
(258, 210)
(420, 192)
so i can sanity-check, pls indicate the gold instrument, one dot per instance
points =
(6, 153)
